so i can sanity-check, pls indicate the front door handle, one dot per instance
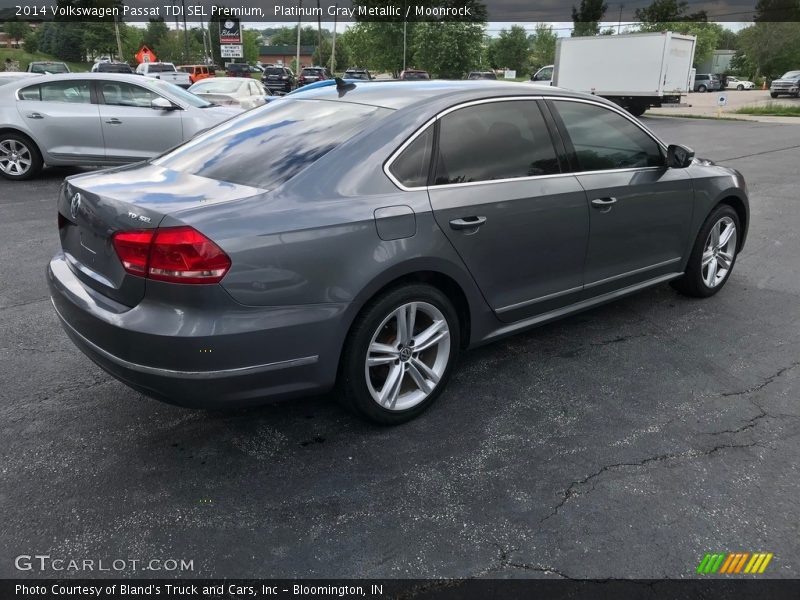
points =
(603, 202)
(468, 222)
(35, 115)
(113, 121)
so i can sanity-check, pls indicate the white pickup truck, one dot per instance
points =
(165, 72)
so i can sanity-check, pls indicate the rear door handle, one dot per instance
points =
(468, 222)
(35, 115)
(114, 121)
(603, 202)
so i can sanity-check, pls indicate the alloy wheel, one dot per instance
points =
(15, 157)
(407, 356)
(719, 252)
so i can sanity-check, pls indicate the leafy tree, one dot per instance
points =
(287, 36)
(510, 49)
(31, 42)
(542, 46)
(251, 44)
(99, 38)
(378, 45)
(322, 55)
(447, 49)
(16, 31)
(155, 35)
(772, 11)
(665, 11)
(728, 40)
(671, 15)
(587, 18)
(768, 48)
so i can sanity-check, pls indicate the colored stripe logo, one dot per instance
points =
(734, 563)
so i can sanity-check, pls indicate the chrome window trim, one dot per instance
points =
(620, 111)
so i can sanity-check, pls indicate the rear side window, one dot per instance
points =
(497, 140)
(268, 146)
(70, 91)
(412, 165)
(603, 139)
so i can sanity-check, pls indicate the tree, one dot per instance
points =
(16, 31)
(510, 49)
(99, 38)
(155, 34)
(665, 11)
(447, 49)
(768, 48)
(287, 36)
(378, 45)
(773, 11)
(322, 55)
(251, 45)
(728, 40)
(543, 46)
(587, 18)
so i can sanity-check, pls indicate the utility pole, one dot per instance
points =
(185, 35)
(619, 22)
(299, 18)
(319, 33)
(333, 45)
(404, 36)
(119, 40)
(203, 35)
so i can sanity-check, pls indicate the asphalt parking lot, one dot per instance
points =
(623, 442)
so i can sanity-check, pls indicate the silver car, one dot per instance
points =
(363, 235)
(244, 92)
(95, 119)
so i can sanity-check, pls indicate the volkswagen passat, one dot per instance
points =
(364, 235)
(96, 119)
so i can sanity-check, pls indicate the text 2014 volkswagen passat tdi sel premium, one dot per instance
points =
(364, 235)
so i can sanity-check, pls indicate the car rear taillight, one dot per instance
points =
(175, 254)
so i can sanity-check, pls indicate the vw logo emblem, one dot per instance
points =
(74, 205)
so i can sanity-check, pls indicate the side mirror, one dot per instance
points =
(161, 104)
(679, 157)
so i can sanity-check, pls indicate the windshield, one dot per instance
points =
(161, 68)
(49, 68)
(216, 87)
(268, 146)
(791, 74)
(417, 75)
(180, 93)
(356, 75)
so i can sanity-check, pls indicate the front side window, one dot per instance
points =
(265, 147)
(497, 140)
(604, 140)
(119, 93)
(73, 92)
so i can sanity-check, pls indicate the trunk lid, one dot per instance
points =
(93, 207)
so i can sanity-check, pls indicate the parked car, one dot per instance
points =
(414, 75)
(241, 70)
(223, 273)
(111, 67)
(166, 72)
(788, 84)
(197, 72)
(706, 82)
(734, 83)
(312, 75)
(12, 76)
(232, 91)
(95, 119)
(543, 76)
(356, 73)
(278, 79)
(47, 66)
(482, 75)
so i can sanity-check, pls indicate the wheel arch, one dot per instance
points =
(735, 201)
(7, 129)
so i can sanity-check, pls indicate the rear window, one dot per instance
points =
(161, 69)
(112, 68)
(268, 146)
(312, 71)
(49, 68)
(273, 71)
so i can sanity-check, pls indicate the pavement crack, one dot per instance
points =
(572, 489)
(36, 301)
(764, 383)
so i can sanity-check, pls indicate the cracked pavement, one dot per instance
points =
(622, 442)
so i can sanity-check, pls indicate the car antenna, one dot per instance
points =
(343, 86)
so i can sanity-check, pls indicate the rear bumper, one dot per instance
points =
(228, 356)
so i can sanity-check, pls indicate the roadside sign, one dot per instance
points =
(510, 74)
(722, 100)
(231, 51)
(230, 31)
(145, 55)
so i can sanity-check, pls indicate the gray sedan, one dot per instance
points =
(243, 92)
(95, 119)
(360, 236)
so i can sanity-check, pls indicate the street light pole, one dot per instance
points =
(299, 18)
(333, 44)
(185, 34)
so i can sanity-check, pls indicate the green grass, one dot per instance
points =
(26, 57)
(772, 109)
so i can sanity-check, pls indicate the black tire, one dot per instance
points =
(692, 282)
(353, 389)
(18, 139)
(637, 110)
(740, 87)
(773, 95)
(702, 89)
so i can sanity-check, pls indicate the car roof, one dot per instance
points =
(400, 94)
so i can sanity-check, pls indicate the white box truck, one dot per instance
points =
(636, 70)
